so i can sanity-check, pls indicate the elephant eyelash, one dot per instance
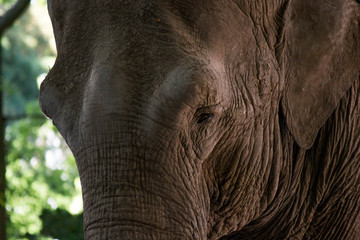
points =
(206, 114)
(205, 117)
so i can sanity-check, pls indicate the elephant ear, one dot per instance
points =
(321, 54)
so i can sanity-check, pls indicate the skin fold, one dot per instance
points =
(210, 119)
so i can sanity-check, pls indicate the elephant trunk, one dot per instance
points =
(131, 193)
(137, 181)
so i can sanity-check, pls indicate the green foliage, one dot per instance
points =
(6, 1)
(42, 180)
(41, 175)
(22, 46)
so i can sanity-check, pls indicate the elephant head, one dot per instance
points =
(203, 119)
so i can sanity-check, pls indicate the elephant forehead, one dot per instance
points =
(148, 40)
(118, 26)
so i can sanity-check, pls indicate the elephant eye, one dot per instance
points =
(204, 117)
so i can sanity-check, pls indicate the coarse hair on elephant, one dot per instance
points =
(210, 119)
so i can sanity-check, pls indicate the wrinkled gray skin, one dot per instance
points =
(211, 119)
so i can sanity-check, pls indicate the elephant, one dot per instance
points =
(210, 119)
